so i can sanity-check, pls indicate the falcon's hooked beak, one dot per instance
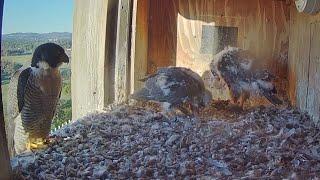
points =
(62, 58)
(65, 58)
(215, 75)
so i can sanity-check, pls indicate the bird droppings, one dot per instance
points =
(139, 142)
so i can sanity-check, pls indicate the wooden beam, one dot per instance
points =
(5, 170)
(111, 46)
(89, 56)
(304, 62)
(139, 43)
(122, 51)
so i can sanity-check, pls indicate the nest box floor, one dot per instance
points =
(138, 142)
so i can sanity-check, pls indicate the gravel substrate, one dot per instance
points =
(137, 142)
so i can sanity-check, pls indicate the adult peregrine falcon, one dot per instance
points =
(174, 86)
(233, 68)
(33, 96)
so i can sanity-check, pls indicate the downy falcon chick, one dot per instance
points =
(174, 86)
(236, 72)
(33, 96)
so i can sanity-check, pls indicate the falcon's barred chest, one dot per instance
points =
(41, 99)
(41, 96)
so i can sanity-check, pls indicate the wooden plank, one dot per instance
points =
(299, 55)
(5, 170)
(304, 62)
(89, 56)
(122, 51)
(175, 28)
(263, 28)
(313, 93)
(139, 43)
(162, 34)
(111, 46)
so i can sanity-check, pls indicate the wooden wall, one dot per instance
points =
(175, 27)
(139, 43)
(304, 62)
(101, 46)
(263, 27)
(169, 32)
(5, 170)
(162, 44)
(175, 32)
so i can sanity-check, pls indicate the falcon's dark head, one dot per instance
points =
(50, 53)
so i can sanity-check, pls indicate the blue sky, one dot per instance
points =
(37, 16)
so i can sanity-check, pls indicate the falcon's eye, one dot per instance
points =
(59, 54)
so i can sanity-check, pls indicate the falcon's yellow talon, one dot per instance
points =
(35, 144)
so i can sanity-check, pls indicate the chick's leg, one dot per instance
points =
(234, 99)
(244, 96)
(185, 111)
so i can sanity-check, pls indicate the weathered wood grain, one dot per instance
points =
(304, 74)
(162, 34)
(313, 91)
(5, 168)
(176, 26)
(111, 36)
(122, 51)
(139, 43)
(89, 56)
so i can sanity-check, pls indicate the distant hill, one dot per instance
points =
(16, 44)
(37, 36)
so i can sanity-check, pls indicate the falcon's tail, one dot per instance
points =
(146, 78)
(269, 94)
(10, 129)
(142, 94)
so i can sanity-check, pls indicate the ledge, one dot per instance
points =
(138, 142)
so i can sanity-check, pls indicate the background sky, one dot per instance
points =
(37, 16)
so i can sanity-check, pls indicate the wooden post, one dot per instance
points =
(122, 51)
(111, 46)
(139, 43)
(5, 169)
(89, 57)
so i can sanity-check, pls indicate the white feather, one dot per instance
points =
(166, 106)
(43, 65)
(246, 65)
(162, 82)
